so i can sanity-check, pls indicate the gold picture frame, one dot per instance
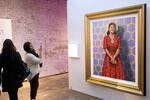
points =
(131, 27)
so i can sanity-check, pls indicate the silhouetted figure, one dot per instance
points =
(10, 59)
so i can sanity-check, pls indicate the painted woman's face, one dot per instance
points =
(112, 28)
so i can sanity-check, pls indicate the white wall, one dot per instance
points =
(76, 11)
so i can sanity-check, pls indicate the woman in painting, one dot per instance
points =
(112, 65)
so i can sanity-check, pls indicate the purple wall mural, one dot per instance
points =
(126, 31)
(44, 23)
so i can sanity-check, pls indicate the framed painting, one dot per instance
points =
(115, 48)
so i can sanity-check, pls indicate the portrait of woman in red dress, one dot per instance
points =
(112, 65)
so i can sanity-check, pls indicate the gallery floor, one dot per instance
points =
(52, 88)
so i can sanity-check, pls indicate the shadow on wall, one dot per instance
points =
(129, 73)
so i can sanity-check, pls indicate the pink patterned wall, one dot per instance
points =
(44, 23)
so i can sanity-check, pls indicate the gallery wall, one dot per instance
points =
(76, 33)
(43, 23)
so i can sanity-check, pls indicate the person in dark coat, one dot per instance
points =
(10, 59)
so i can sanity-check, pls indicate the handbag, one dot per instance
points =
(23, 72)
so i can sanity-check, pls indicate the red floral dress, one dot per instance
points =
(109, 69)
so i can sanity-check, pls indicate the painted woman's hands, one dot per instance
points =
(113, 60)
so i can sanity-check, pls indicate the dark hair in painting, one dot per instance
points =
(109, 27)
